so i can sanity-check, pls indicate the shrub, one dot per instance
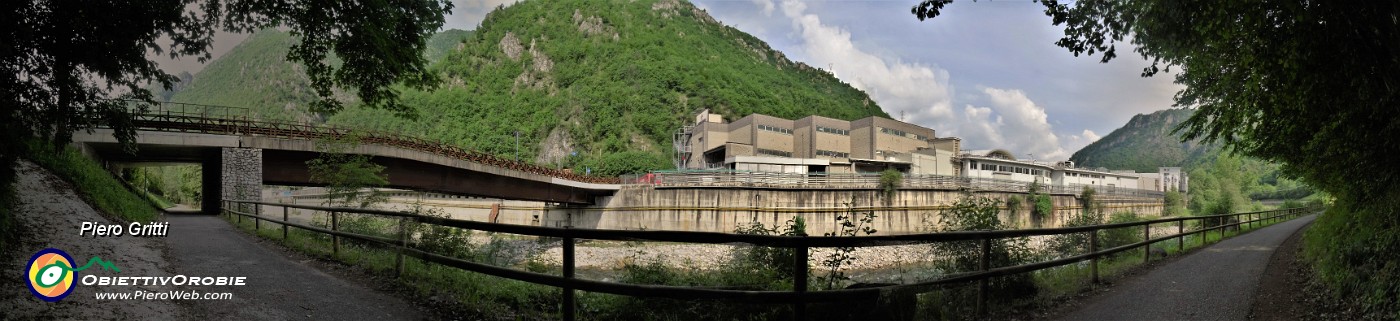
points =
(1121, 236)
(890, 181)
(1071, 244)
(1013, 205)
(977, 214)
(1173, 204)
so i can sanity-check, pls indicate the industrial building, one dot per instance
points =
(813, 144)
(816, 144)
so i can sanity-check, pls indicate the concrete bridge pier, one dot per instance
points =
(211, 183)
(240, 177)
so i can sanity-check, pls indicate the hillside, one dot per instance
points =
(256, 75)
(1217, 177)
(1144, 144)
(610, 81)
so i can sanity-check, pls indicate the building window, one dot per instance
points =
(775, 129)
(835, 131)
(828, 153)
(921, 137)
(895, 132)
(988, 167)
(771, 152)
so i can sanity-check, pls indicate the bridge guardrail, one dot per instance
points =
(228, 121)
(799, 296)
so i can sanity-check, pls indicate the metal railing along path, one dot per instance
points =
(798, 297)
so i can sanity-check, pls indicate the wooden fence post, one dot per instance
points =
(799, 281)
(284, 223)
(403, 243)
(257, 219)
(568, 302)
(335, 239)
(1094, 260)
(1146, 249)
(1180, 236)
(983, 264)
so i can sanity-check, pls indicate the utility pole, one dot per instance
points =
(517, 146)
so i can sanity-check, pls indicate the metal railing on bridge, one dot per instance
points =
(800, 295)
(180, 117)
(725, 178)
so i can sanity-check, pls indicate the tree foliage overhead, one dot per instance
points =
(62, 61)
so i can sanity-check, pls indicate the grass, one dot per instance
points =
(1057, 284)
(479, 295)
(98, 186)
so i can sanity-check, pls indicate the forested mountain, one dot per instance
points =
(256, 75)
(608, 81)
(1144, 144)
(1217, 178)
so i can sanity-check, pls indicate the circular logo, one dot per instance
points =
(51, 274)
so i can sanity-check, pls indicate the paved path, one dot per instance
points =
(278, 288)
(1215, 283)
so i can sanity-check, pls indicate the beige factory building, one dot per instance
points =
(813, 144)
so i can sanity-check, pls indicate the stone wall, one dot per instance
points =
(242, 174)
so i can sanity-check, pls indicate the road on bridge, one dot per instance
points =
(1215, 283)
(278, 288)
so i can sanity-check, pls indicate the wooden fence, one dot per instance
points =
(798, 298)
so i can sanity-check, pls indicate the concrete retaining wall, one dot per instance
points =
(721, 210)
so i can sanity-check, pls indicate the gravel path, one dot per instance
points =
(278, 287)
(1215, 283)
(49, 213)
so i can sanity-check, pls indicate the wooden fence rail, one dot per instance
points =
(799, 297)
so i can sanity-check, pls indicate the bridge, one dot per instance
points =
(239, 155)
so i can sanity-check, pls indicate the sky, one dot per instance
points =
(986, 71)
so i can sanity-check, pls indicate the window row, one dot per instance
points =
(775, 129)
(1084, 175)
(895, 132)
(1011, 169)
(830, 130)
(770, 152)
(833, 154)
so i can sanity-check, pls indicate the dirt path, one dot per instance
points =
(278, 288)
(49, 214)
(1215, 283)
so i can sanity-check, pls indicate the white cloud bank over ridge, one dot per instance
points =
(923, 95)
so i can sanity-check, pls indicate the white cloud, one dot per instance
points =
(919, 92)
(923, 93)
(1090, 136)
(1013, 122)
(765, 6)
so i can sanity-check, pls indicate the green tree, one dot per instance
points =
(62, 62)
(346, 175)
(1308, 84)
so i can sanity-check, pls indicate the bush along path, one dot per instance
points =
(1215, 283)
